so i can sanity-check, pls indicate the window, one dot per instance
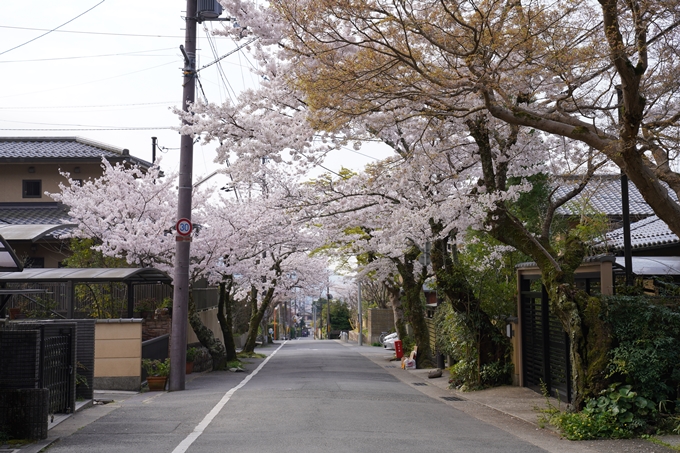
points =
(32, 188)
(35, 262)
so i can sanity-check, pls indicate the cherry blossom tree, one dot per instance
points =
(249, 245)
(385, 70)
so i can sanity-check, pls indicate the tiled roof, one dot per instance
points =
(60, 148)
(35, 214)
(603, 195)
(647, 233)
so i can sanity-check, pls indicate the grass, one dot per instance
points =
(658, 441)
(250, 355)
(235, 364)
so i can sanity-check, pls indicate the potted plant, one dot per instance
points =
(165, 307)
(157, 372)
(146, 308)
(191, 356)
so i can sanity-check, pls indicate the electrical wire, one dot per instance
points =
(134, 54)
(86, 83)
(51, 124)
(95, 32)
(97, 129)
(85, 106)
(357, 152)
(54, 29)
(220, 70)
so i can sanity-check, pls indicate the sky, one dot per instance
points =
(113, 74)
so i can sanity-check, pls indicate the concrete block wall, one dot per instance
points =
(379, 320)
(117, 354)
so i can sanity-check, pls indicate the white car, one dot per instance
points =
(388, 342)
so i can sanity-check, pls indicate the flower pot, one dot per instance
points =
(190, 367)
(156, 383)
(147, 314)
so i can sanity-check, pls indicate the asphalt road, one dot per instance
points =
(309, 396)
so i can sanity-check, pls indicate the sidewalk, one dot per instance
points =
(518, 403)
(103, 403)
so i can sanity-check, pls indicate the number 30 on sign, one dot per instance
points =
(184, 227)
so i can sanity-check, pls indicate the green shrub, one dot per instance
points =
(646, 348)
(618, 412)
(581, 426)
(496, 373)
(454, 338)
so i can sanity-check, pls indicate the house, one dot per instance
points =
(542, 357)
(30, 167)
(602, 195)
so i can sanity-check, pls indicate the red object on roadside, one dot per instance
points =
(399, 349)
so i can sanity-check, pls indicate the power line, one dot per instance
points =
(233, 51)
(220, 70)
(95, 129)
(135, 54)
(86, 83)
(52, 124)
(54, 29)
(94, 32)
(85, 106)
(357, 152)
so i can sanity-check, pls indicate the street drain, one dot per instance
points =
(390, 366)
(419, 383)
(452, 398)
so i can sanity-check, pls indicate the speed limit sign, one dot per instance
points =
(184, 227)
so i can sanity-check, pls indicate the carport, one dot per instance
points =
(68, 278)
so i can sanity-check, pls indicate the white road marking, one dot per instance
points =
(186, 443)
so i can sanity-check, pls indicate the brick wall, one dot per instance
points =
(154, 327)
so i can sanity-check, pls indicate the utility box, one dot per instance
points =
(208, 9)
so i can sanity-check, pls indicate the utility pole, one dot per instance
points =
(314, 320)
(153, 149)
(180, 300)
(328, 313)
(361, 318)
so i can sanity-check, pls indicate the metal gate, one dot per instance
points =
(56, 364)
(545, 345)
(57, 372)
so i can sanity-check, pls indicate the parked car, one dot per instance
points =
(388, 342)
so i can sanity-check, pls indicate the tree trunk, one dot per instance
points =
(207, 338)
(224, 316)
(397, 310)
(256, 319)
(414, 310)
